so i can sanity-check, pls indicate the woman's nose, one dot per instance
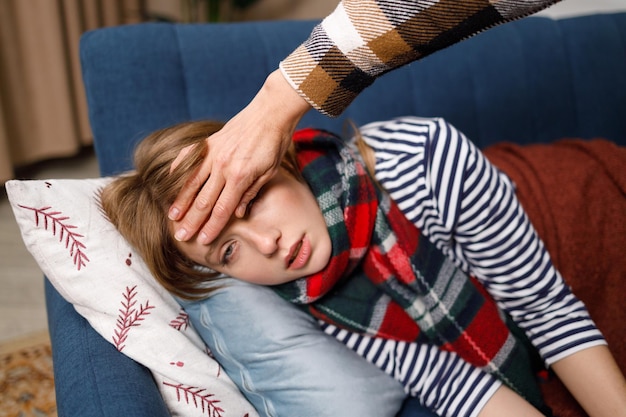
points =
(265, 240)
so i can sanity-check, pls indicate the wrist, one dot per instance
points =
(280, 94)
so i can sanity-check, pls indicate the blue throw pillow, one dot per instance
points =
(283, 363)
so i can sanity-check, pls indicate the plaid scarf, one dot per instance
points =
(386, 279)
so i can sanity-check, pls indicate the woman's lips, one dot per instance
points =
(299, 254)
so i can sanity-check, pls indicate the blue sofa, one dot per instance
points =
(534, 80)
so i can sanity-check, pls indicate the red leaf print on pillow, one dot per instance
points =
(129, 316)
(197, 397)
(57, 223)
(181, 322)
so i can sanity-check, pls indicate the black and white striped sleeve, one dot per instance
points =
(443, 382)
(468, 208)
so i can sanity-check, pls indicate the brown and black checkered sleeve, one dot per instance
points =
(363, 39)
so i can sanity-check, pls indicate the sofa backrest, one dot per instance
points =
(533, 80)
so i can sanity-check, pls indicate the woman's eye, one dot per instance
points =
(228, 254)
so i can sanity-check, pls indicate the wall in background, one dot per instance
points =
(257, 10)
(313, 9)
(42, 106)
(569, 8)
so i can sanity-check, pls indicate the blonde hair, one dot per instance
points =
(137, 203)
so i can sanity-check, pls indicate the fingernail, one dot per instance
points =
(173, 214)
(241, 210)
(180, 235)
(203, 238)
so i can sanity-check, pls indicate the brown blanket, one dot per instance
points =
(575, 194)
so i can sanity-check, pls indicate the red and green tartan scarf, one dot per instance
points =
(386, 279)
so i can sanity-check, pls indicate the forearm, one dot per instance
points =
(360, 41)
(289, 108)
(505, 402)
(594, 379)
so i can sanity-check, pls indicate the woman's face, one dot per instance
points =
(282, 237)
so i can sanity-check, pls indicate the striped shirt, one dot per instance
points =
(469, 210)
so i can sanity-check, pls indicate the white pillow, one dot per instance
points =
(95, 269)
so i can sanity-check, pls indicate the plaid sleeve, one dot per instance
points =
(363, 39)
